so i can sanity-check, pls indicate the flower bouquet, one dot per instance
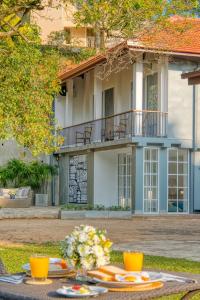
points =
(86, 248)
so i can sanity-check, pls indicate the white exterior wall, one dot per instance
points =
(106, 176)
(121, 82)
(84, 89)
(180, 98)
(50, 19)
(83, 99)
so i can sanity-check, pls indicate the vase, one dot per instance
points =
(81, 274)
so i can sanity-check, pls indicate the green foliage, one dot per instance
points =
(57, 38)
(19, 173)
(73, 54)
(70, 206)
(127, 18)
(28, 79)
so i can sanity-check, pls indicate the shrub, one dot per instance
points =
(71, 206)
(19, 173)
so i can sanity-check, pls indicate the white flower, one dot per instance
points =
(87, 263)
(83, 250)
(86, 247)
(96, 239)
(101, 261)
(103, 238)
(83, 237)
(88, 229)
(98, 250)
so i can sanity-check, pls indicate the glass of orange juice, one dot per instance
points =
(39, 267)
(133, 261)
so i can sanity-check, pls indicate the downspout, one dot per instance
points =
(193, 143)
(52, 183)
(52, 161)
(194, 119)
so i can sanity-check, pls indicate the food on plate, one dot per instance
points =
(78, 289)
(100, 275)
(145, 276)
(112, 270)
(129, 278)
(84, 290)
(62, 263)
(133, 277)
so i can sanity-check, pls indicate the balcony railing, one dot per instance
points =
(120, 126)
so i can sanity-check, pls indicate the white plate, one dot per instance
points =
(94, 291)
(153, 277)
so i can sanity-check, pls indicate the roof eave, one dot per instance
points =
(90, 64)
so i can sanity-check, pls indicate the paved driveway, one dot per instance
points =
(173, 236)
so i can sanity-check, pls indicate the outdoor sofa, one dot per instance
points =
(16, 198)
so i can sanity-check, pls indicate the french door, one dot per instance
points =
(124, 179)
(151, 180)
(108, 105)
(151, 104)
(178, 183)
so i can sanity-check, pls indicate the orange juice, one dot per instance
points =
(39, 267)
(133, 261)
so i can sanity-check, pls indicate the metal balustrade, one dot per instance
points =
(120, 126)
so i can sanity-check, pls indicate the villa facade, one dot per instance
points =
(131, 139)
(59, 18)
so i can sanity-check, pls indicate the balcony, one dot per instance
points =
(120, 126)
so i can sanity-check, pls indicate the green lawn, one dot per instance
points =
(14, 257)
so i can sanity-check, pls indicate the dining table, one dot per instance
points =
(24, 291)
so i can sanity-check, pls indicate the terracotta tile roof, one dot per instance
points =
(180, 36)
(76, 70)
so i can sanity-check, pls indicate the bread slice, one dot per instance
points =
(100, 275)
(112, 270)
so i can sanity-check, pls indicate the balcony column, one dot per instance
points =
(98, 107)
(137, 97)
(69, 103)
(97, 95)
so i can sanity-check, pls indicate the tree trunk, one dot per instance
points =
(99, 39)
(102, 39)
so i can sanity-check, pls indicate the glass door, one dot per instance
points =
(108, 114)
(124, 179)
(178, 180)
(151, 184)
(152, 91)
(151, 104)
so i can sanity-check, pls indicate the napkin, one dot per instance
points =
(170, 277)
(14, 279)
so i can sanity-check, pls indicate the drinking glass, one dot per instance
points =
(39, 267)
(133, 261)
